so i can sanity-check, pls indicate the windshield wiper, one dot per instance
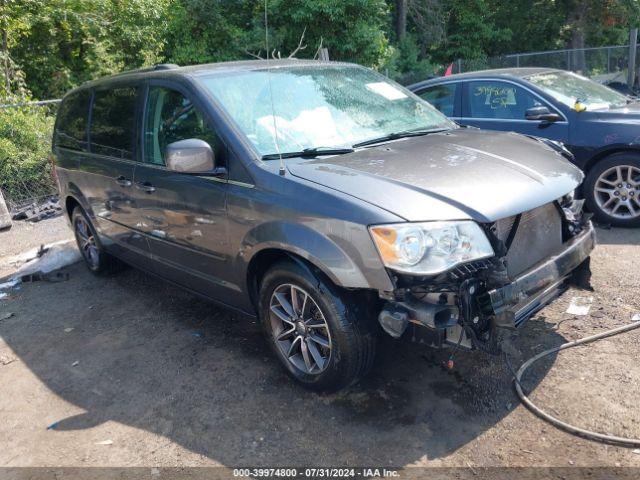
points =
(397, 135)
(308, 152)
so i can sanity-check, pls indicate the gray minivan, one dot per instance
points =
(324, 199)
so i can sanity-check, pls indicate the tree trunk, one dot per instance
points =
(576, 20)
(401, 18)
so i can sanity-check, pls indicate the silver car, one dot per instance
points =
(324, 199)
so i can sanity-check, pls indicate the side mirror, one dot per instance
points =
(541, 113)
(189, 156)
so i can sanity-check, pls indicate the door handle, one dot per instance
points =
(145, 187)
(123, 182)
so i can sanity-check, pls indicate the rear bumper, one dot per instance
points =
(516, 302)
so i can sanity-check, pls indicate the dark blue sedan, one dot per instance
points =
(600, 126)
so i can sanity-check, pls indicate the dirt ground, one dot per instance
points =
(128, 371)
(24, 236)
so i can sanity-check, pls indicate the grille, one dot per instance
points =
(467, 270)
(538, 235)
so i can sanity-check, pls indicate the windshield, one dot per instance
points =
(304, 107)
(567, 87)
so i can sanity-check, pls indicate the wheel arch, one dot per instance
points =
(611, 150)
(73, 198)
(70, 204)
(265, 259)
(342, 258)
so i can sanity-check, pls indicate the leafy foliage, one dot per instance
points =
(406, 64)
(213, 30)
(353, 30)
(47, 48)
(203, 31)
(25, 135)
(473, 32)
(55, 45)
(62, 43)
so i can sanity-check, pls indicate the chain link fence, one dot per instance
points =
(26, 174)
(607, 65)
(27, 196)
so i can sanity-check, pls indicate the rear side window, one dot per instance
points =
(113, 122)
(71, 129)
(443, 97)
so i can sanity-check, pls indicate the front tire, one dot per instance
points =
(612, 190)
(318, 332)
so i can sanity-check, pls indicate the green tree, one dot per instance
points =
(534, 25)
(203, 31)
(66, 42)
(471, 31)
(352, 30)
(218, 30)
(13, 24)
(25, 141)
(50, 47)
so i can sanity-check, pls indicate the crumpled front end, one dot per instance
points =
(539, 253)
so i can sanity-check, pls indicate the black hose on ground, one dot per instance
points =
(600, 437)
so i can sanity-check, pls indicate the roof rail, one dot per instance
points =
(165, 66)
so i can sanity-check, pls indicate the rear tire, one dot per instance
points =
(301, 310)
(612, 190)
(97, 260)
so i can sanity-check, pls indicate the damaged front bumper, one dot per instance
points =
(517, 301)
(472, 310)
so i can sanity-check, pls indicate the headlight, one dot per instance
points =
(430, 247)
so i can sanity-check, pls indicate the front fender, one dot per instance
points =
(349, 261)
(598, 154)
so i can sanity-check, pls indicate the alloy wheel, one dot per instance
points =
(300, 329)
(617, 192)
(87, 243)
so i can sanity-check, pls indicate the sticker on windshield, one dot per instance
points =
(386, 90)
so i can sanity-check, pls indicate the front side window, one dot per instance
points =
(71, 131)
(442, 97)
(500, 100)
(171, 117)
(113, 122)
(569, 88)
(288, 109)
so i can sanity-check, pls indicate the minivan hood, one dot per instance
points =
(457, 174)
